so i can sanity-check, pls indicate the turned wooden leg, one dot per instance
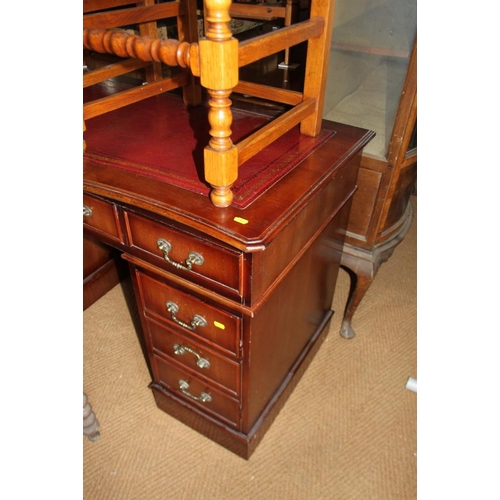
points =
(90, 423)
(219, 49)
(221, 197)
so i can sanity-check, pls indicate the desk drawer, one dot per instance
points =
(190, 315)
(184, 254)
(197, 392)
(195, 358)
(102, 217)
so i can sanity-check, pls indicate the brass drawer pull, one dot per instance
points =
(182, 349)
(192, 258)
(87, 211)
(203, 397)
(197, 320)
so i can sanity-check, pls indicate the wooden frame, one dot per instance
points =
(267, 11)
(382, 213)
(212, 62)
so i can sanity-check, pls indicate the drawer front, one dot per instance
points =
(185, 254)
(197, 392)
(193, 357)
(190, 315)
(101, 217)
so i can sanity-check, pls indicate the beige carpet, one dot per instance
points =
(347, 432)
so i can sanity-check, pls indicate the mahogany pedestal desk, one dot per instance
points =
(234, 302)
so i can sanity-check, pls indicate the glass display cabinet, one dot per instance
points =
(372, 83)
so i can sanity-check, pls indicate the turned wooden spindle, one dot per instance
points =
(219, 75)
(146, 48)
(90, 423)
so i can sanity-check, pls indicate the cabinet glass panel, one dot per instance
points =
(371, 47)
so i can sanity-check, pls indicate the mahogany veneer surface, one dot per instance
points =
(264, 289)
(102, 270)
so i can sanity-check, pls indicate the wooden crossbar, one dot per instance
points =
(269, 93)
(93, 5)
(264, 12)
(136, 94)
(266, 135)
(112, 70)
(136, 15)
(264, 45)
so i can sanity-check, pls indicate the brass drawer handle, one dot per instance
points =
(182, 349)
(192, 258)
(197, 320)
(203, 397)
(87, 211)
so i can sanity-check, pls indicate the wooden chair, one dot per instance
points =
(213, 63)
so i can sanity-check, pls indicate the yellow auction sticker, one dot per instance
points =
(241, 220)
(219, 325)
